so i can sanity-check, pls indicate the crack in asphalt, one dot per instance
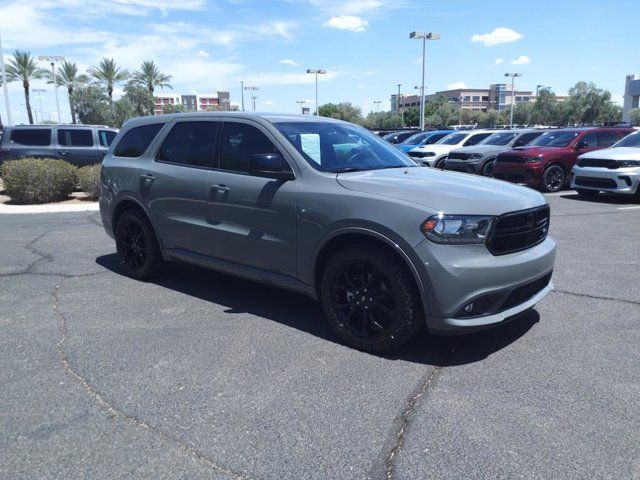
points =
(596, 297)
(113, 410)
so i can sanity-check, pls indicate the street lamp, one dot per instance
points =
(253, 96)
(398, 111)
(316, 71)
(538, 87)
(242, 93)
(52, 60)
(301, 103)
(4, 84)
(39, 91)
(377, 102)
(513, 98)
(424, 36)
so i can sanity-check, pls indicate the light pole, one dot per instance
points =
(52, 60)
(301, 103)
(253, 96)
(39, 91)
(424, 36)
(4, 84)
(377, 102)
(538, 87)
(513, 98)
(242, 93)
(316, 71)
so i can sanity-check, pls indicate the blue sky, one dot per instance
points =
(364, 45)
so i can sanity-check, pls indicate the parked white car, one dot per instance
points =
(434, 155)
(615, 169)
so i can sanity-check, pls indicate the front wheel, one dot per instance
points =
(137, 245)
(552, 179)
(370, 298)
(440, 163)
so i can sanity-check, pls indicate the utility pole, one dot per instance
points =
(301, 103)
(4, 84)
(513, 98)
(242, 93)
(377, 102)
(398, 111)
(317, 71)
(52, 60)
(424, 36)
(253, 96)
(39, 91)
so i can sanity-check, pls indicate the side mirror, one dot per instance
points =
(270, 165)
(581, 145)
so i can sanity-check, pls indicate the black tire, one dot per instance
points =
(391, 316)
(587, 193)
(137, 246)
(487, 169)
(440, 163)
(553, 179)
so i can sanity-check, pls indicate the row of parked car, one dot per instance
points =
(589, 159)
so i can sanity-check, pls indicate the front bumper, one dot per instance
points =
(464, 166)
(529, 174)
(457, 275)
(620, 180)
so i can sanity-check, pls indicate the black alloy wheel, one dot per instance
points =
(553, 179)
(137, 245)
(487, 169)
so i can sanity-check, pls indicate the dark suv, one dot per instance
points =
(546, 162)
(77, 144)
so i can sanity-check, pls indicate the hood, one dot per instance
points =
(444, 191)
(405, 148)
(435, 148)
(617, 153)
(535, 151)
(483, 149)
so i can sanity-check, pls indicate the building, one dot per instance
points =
(631, 96)
(198, 102)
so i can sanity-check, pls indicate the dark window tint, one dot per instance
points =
(525, 138)
(75, 138)
(33, 137)
(106, 137)
(435, 137)
(189, 143)
(606, 139)
(590, 139)
(137, 140)
(473, 139)
(239, 143)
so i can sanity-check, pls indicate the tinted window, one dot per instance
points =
(525, 138)
(106, 137)
(189, 143)
(452, 139)
(606, 139)
(137, 140)
(435, 137)
(34, 137)
(590, 139)
(75, 138)
(501, 138)
(474, 139)
(555, 139)
(632, 140)
(239, 143)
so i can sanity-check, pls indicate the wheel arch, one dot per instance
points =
(129, 203)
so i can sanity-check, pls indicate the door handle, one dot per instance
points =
(148, 178)
(63, 153)
(220, 188)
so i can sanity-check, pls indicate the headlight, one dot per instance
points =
(475, 155)
(534, 159)
(457, 229)
(629, 163)
(428, 154)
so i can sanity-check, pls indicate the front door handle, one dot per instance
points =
(220, 188)
(147, 178)
(64, 153)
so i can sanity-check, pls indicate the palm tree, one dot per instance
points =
(67, 77)
(150, 77)
(108, 74)
(22, 67)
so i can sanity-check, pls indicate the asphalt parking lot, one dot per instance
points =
(200, 375)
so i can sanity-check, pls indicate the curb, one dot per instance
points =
(49, 208)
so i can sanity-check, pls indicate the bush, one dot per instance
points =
(89, 180)
(32, 180)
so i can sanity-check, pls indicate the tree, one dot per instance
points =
(446, 114)
(92, 105)
(150, 77)
(175, 108)
(67, 77)
(108, 74)
(522, 113)
(23, 68)
(342, 111)
(411, 116)
(634, 116)
(383, 121)
(137, 101)
(589, 104)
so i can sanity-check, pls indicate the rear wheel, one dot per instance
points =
(552, 179)
(137, 245)
(487, 169)
(370, 298)
(587, 193)
(440, 163)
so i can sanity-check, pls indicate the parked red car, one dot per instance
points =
(547, 161)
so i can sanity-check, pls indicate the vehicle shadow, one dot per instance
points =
(302, 313)
(607, 198)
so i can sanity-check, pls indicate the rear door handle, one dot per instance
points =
(220, 188)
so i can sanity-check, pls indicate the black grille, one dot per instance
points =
(517, 231)
(595, 182)
(510, 159)
(416, 154)
(597, 163)
(512, 177)
(525, 292)
(459, 156)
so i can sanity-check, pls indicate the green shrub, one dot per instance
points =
(89, 180)
(32, 180)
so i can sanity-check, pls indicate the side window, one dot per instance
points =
(591, 139)
(40, 137)
(435, 137)
(474, 139)
(189, 143)
(239, 143)
(606, 139)
(75, 138)
(106, 137)
(525, 138)
(137, 140)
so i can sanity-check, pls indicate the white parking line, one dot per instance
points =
(554, 194)
(629, 208)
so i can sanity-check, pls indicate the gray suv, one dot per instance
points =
(328, 209)
(79, 145)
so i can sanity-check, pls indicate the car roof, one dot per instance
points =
(58, 125)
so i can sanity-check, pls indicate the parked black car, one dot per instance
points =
(79, 145)
(399, 136)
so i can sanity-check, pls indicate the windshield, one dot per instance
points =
(501, 138)
(554, 139)
(453, 139)
(632, 140)
(415, 139)
(333, 147)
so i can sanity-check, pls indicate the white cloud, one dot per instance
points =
(287, 61)
(498, 36)
(203, 53)
(347, 22)
(371, 72)
(417, 61)
(499, 61)
(456, 85)
(521, 60)
(268, 103)
(278, 78)
(362, 86)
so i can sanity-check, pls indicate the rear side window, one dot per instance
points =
(239, 143)
(590, 139)
(525, 138)
(106, 137)
(189, 143)
(137, 140)
(474, 139)
(606, 139)
(40, 137)
(75, 138)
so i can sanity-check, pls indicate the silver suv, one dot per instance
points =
(326, 208)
